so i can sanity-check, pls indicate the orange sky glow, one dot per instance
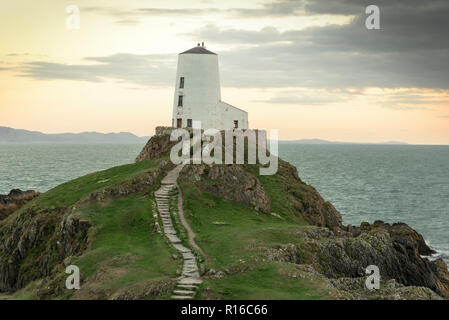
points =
(35, 31)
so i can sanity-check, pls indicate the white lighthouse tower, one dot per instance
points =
(198, 94)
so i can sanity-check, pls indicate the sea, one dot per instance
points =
(392, 183)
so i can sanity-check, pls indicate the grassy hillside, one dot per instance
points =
(235, 236)
(121, 255)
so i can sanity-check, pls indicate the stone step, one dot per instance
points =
(191, 275)
(182, 297)
(182, 249)
(173, 238)
(190, 280)
(186, 286)
(188, 256)
(184, 292)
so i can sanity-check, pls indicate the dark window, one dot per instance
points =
(181, 83)
(179, 123)
(236, 124)
(189, 123)
(180, 101)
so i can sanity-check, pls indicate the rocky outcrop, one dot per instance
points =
(355, 289)
(38, 241)
(307, 200)
(231, 182)
(137, 184)
(156, 147)
(35, 242)
(399, 232)
(335, 256)
(14, 201)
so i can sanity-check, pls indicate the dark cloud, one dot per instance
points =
(157, 70)
(410, 50)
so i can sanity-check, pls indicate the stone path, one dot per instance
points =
(190, 277)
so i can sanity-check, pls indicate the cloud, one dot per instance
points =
(411, 50)
(296, 100)
(128, 22)
(153, 70)
(444, 117)
(278, 8)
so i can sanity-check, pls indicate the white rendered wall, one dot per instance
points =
(230, 113)
(201, 93)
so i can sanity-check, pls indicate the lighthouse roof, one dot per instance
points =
(198, 50)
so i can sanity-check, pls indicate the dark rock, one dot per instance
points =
(231, 182)
(14, 201)
(341, 256)
(156, 147)
(307, 200)
(35, 242)
(401, 233)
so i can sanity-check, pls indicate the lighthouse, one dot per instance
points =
(198, 93)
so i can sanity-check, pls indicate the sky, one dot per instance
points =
(308, 68)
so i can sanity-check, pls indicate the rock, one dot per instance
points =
(397, 257)
(231, 182)
(14, 201)
(58, 234)
(306, 199)
(355, 288)
(156, 147)
(400, 233)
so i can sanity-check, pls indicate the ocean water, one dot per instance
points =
(393, 183)
(41, 167)
(364, 182)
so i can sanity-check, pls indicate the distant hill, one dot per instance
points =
(321, 141)
(10, 135)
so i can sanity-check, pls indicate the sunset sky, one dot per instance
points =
(308, 68)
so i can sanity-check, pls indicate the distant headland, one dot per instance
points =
(10, 135)
(322, 141)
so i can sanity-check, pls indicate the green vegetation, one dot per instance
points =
(270, 280)
(124, 246)
(236, 238)
(123, 250)
(70, 192)
(125, 256)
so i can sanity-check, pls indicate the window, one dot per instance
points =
(181, 83)
(179, 123)
(236, 124)
(189, 123)
(180, 101)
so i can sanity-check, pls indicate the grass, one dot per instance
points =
(70, 192)
(268, 281)
(234, 236)
(123, 239)
(123, 250)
